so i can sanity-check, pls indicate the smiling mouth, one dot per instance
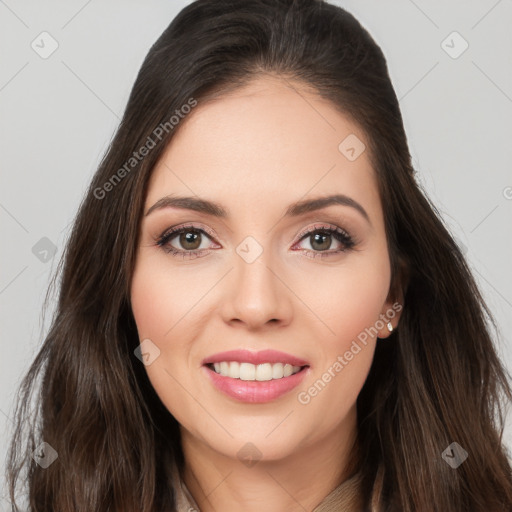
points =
(254, 372)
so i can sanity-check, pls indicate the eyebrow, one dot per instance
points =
(294, 210)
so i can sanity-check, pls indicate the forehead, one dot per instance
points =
(270, 138)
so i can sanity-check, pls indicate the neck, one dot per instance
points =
(297, 482)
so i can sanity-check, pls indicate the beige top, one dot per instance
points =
(346, 497)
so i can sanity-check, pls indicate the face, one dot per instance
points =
(269, 274)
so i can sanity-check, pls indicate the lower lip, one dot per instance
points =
(255, 391)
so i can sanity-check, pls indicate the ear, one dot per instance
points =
(394, 305)
(390, 316)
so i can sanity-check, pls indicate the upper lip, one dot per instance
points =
(263, 356)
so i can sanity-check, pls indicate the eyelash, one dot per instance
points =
(339, 234)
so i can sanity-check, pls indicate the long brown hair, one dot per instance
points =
(436, 380)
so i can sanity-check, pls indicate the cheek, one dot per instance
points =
(349, 309)
(169, 309)
(355, 305)
(163, 298)
(348, 299)
(149, 294)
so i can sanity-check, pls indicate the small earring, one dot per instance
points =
(390, 327)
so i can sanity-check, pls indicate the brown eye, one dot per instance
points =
(185, 241)
(190, 239)
(320, 241)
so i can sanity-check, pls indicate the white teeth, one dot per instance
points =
(260, 372)
(264, 371)
(247, 371)
(277, 371)
(234, 368)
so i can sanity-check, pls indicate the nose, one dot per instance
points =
(257, 296)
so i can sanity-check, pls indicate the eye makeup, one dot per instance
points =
(319, 233)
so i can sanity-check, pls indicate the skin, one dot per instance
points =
(256, 151)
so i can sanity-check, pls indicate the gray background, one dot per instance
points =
(58, 115)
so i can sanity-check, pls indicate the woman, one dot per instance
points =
(259, 308)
